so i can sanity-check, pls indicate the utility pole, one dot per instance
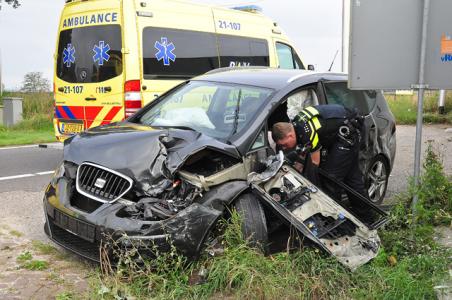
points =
(345, 34)
(1, 82)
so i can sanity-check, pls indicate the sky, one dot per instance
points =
(28, 34)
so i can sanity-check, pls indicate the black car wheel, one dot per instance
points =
(377, 179)
(254, 224)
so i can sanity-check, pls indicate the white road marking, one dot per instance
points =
(56, 145)
(45, 173)
(25, 175)
(19, 147)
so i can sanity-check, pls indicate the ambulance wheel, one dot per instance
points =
(254, 224)
(377, 176)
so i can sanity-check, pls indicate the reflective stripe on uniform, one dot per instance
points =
(310, 111)
(316, 122)
(315, 141)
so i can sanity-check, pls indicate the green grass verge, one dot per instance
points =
(404, 108)
(37, 125)
(410, 262)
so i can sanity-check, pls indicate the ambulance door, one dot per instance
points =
(89, 67)
(177, 43)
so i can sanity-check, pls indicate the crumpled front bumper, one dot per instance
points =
(83, 232)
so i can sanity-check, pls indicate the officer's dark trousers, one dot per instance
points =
(343, 164)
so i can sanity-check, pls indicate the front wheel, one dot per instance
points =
(377, 179)
(254, 224)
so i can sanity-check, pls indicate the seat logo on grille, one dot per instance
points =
(100, 183)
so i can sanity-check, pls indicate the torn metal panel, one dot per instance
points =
(329, 225)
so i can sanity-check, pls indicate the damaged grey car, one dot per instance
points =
(168, 174)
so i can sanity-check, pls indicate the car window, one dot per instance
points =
(260, 141)
(89, 54)
(178, 53)
(338, 93)
(299, 100)
(241, 51)
(210, 108)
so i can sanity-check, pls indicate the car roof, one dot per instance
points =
(272, 78)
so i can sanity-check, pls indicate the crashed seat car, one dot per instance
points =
(170, 172)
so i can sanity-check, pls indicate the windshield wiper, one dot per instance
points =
(176, 127)
(236, 117)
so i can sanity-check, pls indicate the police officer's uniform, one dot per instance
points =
(335, 128)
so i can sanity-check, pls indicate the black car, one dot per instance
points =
(168, 173)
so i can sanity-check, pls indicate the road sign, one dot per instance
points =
(385, 44)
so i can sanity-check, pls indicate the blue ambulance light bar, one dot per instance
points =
(249, 8)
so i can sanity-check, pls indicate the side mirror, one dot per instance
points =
(311, 67)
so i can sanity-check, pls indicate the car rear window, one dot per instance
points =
(90, 54)
(174, 53)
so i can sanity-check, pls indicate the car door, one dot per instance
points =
(337, 92)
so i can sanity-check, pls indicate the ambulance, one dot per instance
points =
(115, 56)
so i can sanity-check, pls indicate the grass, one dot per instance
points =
(44, 248)
(37, 125)
(36, 265)
(410, 262)
(404, 108)
(16, 233)
(26, 261)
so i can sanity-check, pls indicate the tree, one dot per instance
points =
(34, 82)
(14, 3)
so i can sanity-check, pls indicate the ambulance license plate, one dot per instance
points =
(71, 128)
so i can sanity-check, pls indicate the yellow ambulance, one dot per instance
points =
(115, 56)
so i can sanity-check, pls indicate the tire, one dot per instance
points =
(377, 176)
(254, 224)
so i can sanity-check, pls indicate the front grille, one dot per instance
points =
(100, 183)
(84, 203)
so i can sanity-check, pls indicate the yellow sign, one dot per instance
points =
(71, 128)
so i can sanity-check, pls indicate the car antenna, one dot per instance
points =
(332, 63)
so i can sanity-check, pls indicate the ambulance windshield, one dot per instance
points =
(89, 54)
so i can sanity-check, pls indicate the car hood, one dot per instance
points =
(140, 152)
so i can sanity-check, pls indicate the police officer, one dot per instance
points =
(330, 127)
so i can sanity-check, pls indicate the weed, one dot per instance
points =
(35, 265)
(55, 278)
(44, 248)
(16, 233)
(25, 256)
(65, 296)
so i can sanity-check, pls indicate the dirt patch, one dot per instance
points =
(37, 270)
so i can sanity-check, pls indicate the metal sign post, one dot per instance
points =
(420, 103)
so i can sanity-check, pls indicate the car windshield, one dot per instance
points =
(216, 109)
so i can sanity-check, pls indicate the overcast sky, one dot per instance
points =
(28, 34)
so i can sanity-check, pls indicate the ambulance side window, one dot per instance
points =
(287, 57)
(177, 54)
(242, 52)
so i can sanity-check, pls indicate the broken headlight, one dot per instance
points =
(59, 172)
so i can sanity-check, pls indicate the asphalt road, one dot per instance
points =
(28, 168)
